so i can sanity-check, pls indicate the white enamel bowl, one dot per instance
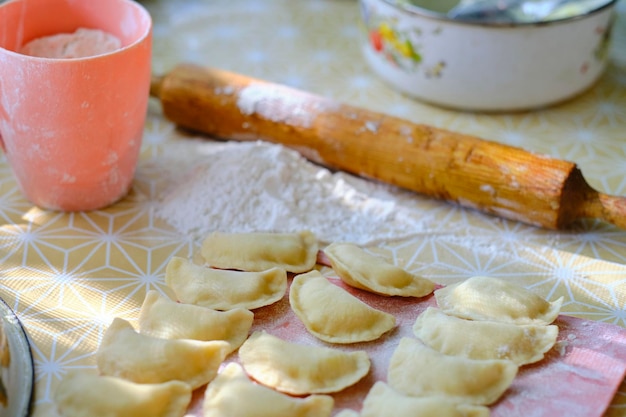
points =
(485, 67)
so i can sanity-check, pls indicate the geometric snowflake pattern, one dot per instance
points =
(66, 275)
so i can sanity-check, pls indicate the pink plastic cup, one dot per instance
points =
(71, 129)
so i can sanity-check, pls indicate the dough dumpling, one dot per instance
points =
(127, 354)
(383, 401)
(360, 269)
(418, 370)
(523, 344)
(167, 319)
(232, 394)
(487, 298)
(346, 412)
(83, 394)
(301, 369)
(224, 290)
(293, 252)
(332, 314)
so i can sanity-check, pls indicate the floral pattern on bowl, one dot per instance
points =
(399, 46)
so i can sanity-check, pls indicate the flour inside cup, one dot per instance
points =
(80, 44)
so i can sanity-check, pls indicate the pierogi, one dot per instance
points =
(347, 412)
(487, 298)
(301, 369)
(418, 370)
(293, 252)
(523, 344)
(124, 353)
(232, 394)
(384, 401)
(84, 394)
(332, 314)
(360, 269)
(224, 289)
(167, 319)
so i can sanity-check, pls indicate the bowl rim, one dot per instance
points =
(417, 11)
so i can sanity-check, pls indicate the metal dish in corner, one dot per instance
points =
(16, 366)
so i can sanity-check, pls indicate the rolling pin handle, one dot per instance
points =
(612, 209)
(156, 83)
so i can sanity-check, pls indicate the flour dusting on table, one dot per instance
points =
(255, 186)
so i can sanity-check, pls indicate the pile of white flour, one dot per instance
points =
(255, 186)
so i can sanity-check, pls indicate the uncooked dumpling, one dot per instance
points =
(346, 412)
(487, 298)
(165, 318)
(332, 314)
(301, 369)
(360, 269)
(232, 394)
(293, 252)
(418, 370)
(224, 290)
(83, 394)
(384, 401)
(523, 344)
(127, 354)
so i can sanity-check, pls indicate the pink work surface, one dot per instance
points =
(578, 377)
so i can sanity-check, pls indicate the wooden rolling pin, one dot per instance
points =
(502, 180)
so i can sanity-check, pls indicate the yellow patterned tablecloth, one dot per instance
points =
(68, 275)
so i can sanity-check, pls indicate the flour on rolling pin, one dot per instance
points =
(273, 104)
(80, 44)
